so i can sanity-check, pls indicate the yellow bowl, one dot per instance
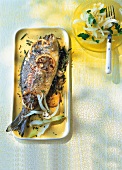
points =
(78, 27)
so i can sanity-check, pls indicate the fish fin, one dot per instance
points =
(18, 124)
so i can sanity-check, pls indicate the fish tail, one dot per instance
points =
(18, 124)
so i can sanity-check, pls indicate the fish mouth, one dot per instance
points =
(46, 63)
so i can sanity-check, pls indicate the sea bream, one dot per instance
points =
(37, 73)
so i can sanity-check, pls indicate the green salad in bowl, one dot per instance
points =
(91, 26)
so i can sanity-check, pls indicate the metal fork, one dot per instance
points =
(110, 12)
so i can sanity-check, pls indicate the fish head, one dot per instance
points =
(46, 45)
(44, 51)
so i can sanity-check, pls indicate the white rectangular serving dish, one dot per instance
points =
(56, 130)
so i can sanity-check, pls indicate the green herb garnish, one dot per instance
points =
(97, 41)
(63, 61)
(110, 30)
(120, 31)
(40, 37)
(43, 91)
(91, 19)
(28, 44)
(102, 27)
(117, 27)
(83, 36)
(102, 10)
(88, 11)
(25, 52)
(23, 36)
(94, 22)
(28, 41)
(69, 49)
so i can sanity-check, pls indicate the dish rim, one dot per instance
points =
(67, 126)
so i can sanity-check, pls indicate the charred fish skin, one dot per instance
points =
(37, 73)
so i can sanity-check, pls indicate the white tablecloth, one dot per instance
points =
(95, 139)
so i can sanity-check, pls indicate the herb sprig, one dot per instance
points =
(117, 27)
(97, 41)
(28, 42)
(91, 19)
(23, 36)
(102, 10)
(83, 36)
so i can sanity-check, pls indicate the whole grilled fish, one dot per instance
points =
(37, 73)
